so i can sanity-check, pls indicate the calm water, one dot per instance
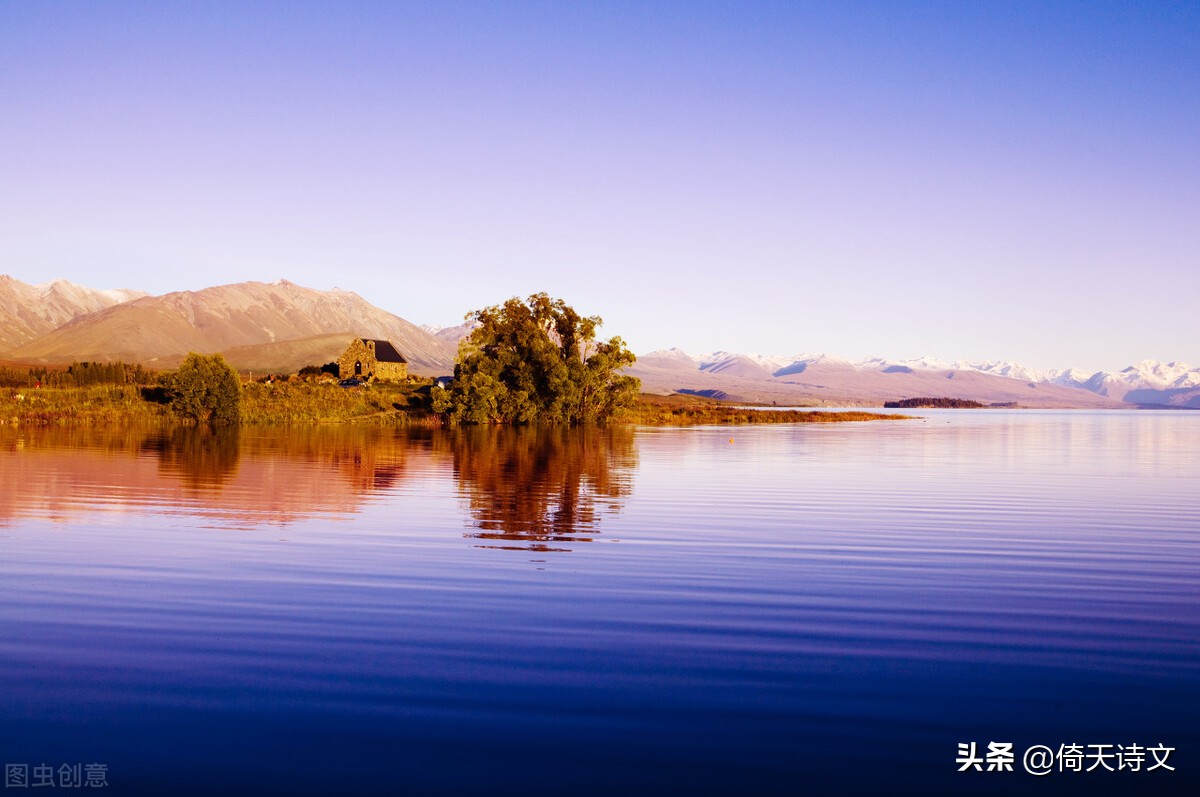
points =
(823, 609)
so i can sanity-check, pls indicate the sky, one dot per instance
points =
(983, 181)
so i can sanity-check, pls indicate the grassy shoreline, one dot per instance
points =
(677, 410)
(311, 403)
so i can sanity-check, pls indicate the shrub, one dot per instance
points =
(206, 389)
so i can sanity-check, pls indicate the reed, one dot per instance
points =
(95, 405)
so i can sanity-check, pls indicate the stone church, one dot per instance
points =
(367, 358)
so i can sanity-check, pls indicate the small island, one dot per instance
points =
(926, 402)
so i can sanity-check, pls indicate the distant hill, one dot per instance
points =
(452, 334)
(281, 326)
(822, 379)
(282, 357)
(158, 330)
(29, 311)
(1148, 382)
(289, 356)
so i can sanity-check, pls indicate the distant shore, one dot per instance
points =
(679, 410)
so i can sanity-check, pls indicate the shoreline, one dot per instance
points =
(323, 404)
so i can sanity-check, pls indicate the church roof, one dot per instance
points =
(385, 352)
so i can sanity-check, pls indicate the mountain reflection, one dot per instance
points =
(534, 488)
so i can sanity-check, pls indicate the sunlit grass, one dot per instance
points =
(680, 411)
(96, 405)
(310, 403)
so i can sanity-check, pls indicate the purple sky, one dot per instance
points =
(961, 180)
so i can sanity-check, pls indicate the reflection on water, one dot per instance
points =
(232, 478)
(204, 459)
(830, 608)
(528, 489)
(537, 488)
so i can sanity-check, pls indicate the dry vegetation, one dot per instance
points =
(278, 403)
(679, 410)
(297, 402)
(95, 405)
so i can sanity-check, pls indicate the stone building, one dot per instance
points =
(366, 358)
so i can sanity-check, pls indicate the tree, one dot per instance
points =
(538, 360)
(206, 389)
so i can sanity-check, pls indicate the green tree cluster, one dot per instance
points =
(537, 361)
(78, 374)
(206, 389)
(942, 402)
(310, 372)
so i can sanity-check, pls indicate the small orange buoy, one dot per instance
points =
(731, 441)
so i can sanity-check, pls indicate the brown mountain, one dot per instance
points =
(157, 330)
(29, 311)
(286, 356)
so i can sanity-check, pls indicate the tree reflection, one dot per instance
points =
(204, 459)
(367, 459)
(533, 488)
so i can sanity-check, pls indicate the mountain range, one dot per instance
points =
(29, 311)
(278, 326)
(281, 326)
(828, 379)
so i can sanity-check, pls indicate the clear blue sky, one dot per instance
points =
(992, 180)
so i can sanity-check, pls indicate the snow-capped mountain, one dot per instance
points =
(920, 363)
(723, 362)
(1149, 382)
(452, 334)
(735, 364)
(1149, 374)
(1152, 373)
(1070, 377)
(1146, 382)
(1003, 368)
(671, 359)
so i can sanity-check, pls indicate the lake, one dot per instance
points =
(752, 610)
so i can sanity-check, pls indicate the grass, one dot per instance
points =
(688, 411)
(282, 403)
(313, 403)
(97, 405)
